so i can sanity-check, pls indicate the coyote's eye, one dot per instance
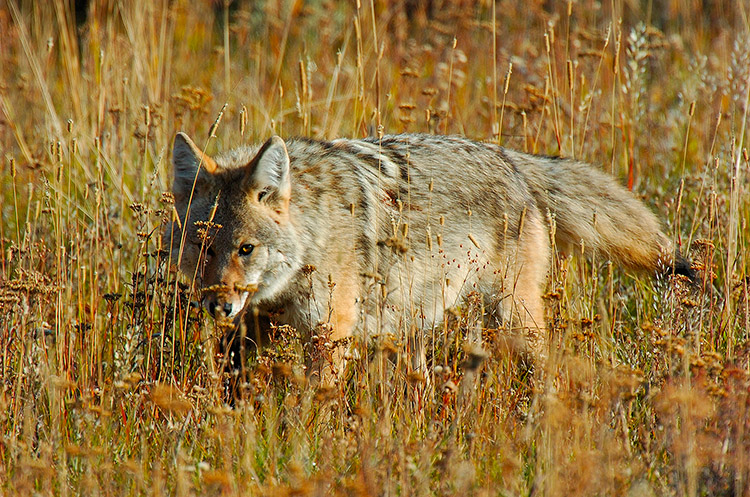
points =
(246, 249)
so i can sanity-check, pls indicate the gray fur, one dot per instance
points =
(405, 227)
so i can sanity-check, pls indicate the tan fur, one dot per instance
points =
(404, 227)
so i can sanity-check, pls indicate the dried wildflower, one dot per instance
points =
(191, 98)
(325, 393)
(281, 370)
(111, 298)
(388, 346)
(308, 269)
(169, 399)
(416, 377)
(137, 207)
(167, 198)
(450, 387)
(207, 229)
(252, 288)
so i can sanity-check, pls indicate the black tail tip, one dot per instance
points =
(683, 267)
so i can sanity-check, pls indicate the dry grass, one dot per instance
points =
(109, 383)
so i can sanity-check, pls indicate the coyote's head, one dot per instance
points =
(234, 235)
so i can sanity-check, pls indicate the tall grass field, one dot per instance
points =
(112, 377)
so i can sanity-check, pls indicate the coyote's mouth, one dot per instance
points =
(223, 300)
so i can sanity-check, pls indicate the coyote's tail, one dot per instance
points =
(591, 209)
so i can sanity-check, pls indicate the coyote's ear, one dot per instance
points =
(269, 174)
(188, 161)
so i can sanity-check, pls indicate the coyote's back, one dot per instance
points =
(379, 235)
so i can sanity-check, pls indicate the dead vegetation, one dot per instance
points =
(110, 374)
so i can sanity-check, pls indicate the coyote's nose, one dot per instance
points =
(213, 307)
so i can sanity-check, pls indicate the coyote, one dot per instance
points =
(381, 234)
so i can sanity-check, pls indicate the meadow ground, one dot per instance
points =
(109, 377)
